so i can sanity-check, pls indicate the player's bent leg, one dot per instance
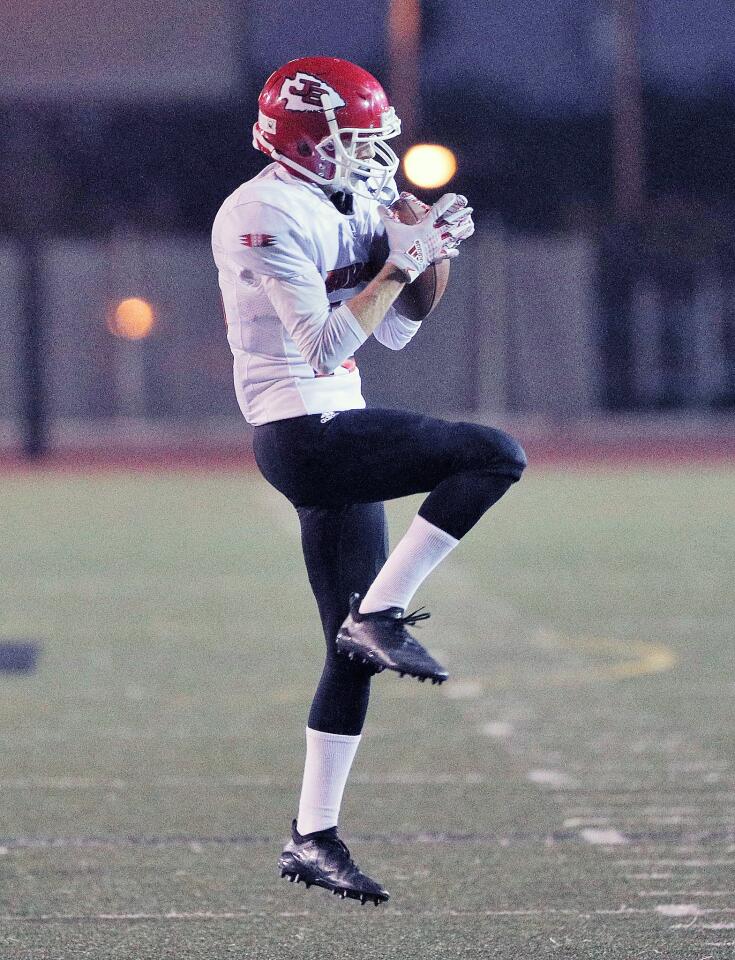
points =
(481, 464)
(494, 461)
(467, 468)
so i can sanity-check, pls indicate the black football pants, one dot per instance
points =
(337, 474)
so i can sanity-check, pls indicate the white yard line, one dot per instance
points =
(550, 778)
(672, 862)
(649, 876)
(686, 893)
(498, 729)
(209, 915)
(603, 837)
(72, 783)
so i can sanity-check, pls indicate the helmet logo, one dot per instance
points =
(304, 92)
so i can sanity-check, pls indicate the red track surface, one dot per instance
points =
(551, 452)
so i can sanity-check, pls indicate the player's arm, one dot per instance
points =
(396, 331)
(370, 306)
(271, 246)
(268, 246)
(412, 247)
(325, 335)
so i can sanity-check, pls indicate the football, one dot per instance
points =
(419, 298)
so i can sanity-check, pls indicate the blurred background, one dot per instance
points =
(593, 137)
(571, 790)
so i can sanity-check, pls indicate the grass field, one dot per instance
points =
(570, 792)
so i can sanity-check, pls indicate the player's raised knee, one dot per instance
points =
(508, 454)
(518, 458)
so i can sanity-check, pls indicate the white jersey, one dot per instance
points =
(288, 264)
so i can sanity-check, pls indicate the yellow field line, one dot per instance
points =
(635, 658)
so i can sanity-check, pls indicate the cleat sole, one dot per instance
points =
(295, 872)
(342, 892)
(369, 660)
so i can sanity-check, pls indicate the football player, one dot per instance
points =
(293, 250)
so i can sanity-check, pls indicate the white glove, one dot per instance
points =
(436, 236)
(405, 195)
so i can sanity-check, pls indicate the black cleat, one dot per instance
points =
(322, 859)
(382, 640)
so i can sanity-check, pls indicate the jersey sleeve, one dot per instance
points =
(276, 251)
(395, 331)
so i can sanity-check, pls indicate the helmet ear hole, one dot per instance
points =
(303, 149)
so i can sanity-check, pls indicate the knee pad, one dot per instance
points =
(515, 456)
(505, 454)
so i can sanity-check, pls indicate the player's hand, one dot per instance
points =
(460, 218)
(457, 219)
(436, 236)
(405, 195)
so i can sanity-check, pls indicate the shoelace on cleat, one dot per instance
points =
(411, 619)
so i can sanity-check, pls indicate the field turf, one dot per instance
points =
(569, 793)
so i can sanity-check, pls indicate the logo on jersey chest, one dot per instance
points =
(305, 92)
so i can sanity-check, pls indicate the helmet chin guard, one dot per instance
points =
(328, 120)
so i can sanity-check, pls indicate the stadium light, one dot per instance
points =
(132, 319)
(429, 165)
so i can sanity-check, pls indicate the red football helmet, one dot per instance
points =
(328, 120)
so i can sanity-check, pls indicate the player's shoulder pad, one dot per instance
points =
(261, 224)
(262, 237)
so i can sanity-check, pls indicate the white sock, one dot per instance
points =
(422, 548)
(329, 757)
